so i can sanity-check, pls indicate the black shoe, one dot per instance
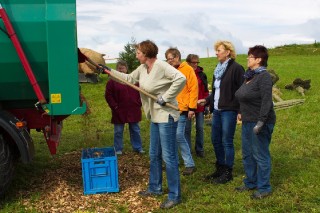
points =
(200, 154)
(169, 204)
(147, 193)
(216, 174)
(225, 177)
(244, 188)
(260, 195)
(189, 170)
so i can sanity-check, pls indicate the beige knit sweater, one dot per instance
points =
(163, 80)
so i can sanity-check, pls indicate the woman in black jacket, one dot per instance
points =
(228, 77)
(258, 120)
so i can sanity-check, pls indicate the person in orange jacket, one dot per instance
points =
(187, 103)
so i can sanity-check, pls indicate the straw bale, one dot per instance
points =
(88, 68)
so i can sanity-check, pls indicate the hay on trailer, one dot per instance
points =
(88, 68)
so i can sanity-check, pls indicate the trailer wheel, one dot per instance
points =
(6, 166)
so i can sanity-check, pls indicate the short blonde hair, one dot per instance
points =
(228, 46)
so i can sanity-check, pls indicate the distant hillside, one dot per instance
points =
(296, 49)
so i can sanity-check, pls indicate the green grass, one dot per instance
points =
(295, 148)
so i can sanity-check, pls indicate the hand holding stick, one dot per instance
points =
(105, 69)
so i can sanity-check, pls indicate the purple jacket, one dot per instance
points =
(124, 102)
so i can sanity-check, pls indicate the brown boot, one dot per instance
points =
(189, 170)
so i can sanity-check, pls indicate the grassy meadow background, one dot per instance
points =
(295, 151)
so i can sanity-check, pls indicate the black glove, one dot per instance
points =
(257, 128)
(102, 67)
(160, 101)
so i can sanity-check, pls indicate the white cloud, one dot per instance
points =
(194, 25)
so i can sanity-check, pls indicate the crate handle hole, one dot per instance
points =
(99, 162)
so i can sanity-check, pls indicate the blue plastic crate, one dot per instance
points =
(99, 170)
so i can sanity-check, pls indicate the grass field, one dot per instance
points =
(54, 184)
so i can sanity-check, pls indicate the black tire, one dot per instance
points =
(6, 166)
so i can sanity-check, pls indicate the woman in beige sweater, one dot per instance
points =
(165, 82)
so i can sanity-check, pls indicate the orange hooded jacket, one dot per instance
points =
(188, 97)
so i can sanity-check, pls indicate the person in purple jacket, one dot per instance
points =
(125, 104)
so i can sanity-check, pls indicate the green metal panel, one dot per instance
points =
(48, 35)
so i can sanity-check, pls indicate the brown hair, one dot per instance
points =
(192, 56)
(148, 48)
(121, 63)
(174, 52)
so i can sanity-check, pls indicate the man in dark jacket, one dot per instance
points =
(125, 104)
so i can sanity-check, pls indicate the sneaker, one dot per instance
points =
(119, 152)
(141, 151)
(189, 170)
(244, 188)
(169, 204)
(147, 193)
(260, 195)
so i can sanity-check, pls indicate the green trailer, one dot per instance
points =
(39, 85)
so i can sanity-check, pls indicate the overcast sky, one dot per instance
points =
(193, 26)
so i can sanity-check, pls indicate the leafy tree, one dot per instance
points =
(129, 55)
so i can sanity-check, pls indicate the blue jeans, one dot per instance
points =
(199, 132)
(222, 133)
(163, 146)
(256, 156)
(135, 137)
(182, 142)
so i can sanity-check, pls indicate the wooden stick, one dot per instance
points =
(131, 85)
(141, 90)
(288, 103)
(276, 97)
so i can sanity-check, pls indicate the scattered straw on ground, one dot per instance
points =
(61, 189)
